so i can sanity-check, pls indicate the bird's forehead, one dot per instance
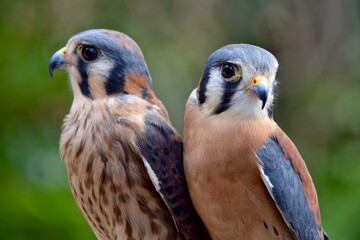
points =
(107, 40)
(245, 54)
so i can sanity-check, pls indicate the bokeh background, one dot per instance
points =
(316, 42)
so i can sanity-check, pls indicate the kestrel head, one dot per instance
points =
(238, 80)
(103, 63)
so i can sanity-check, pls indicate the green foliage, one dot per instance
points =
(317, 44)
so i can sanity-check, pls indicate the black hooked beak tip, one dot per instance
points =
(259, 85)
(262, 93)
(57, 61)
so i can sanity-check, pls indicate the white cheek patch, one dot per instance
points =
(214, 91)
(75, 80)
(98, 73)
(101, 68)
(244, 105)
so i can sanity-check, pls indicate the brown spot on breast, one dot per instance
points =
(124, 198)
(81, 188)
(143, 206)
(101, 190)
(275, 231)
(101, 228)
(154, 227)
(129, 180)
(90, 201)
(89, 164)
(80, 149)
(117, 213)
(113, 188)
(128, 228)
(92, 212)
(265, 225)
(89, 182)
(107, 235)
(97, 218)
(103, 178)
(104, 197)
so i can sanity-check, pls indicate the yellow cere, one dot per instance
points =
(63, 51)
(255, 81)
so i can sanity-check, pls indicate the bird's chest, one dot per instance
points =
(109, 181)
(225, 183)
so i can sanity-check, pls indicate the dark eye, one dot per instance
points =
(89, 53)
(227, 70)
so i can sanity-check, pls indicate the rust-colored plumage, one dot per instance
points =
(246, 178)
(224, 179)
(123, 157)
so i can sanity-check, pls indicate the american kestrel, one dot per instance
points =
(246, 178)
(123, 157)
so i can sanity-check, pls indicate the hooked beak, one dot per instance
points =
(58, 61)
(259, 86)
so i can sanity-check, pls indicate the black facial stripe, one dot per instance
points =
(229, 90)
(84, 84)
(202, 87)
(116, 81)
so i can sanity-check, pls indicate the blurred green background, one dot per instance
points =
(316, 42)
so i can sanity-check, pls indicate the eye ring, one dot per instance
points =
(227, 70)
(89, 53)
(231, 72)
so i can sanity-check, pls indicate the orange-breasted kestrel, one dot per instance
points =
(246, 178)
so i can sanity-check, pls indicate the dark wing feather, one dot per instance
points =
(162, 149)
(287, 191)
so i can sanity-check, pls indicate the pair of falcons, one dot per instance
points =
(238, 176)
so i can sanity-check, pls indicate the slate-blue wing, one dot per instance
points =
(286, 178)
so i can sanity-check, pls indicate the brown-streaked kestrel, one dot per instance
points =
(123, 157)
